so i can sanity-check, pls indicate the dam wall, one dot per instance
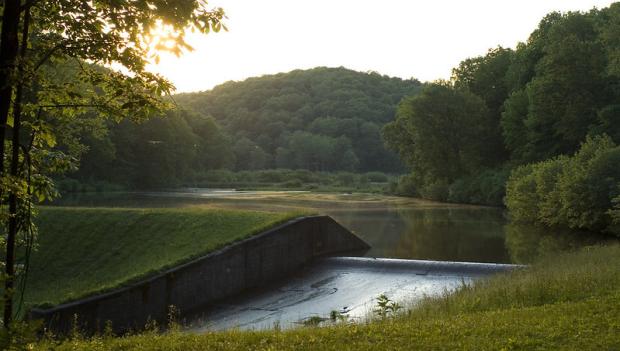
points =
(251, 263)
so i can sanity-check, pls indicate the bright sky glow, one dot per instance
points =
(422, 39)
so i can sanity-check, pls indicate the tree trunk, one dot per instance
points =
(14, 172)
(8, 55)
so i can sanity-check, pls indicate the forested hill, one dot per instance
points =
(322, 119)
(317, 119)
(541, 121)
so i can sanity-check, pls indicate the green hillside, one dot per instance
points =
(316, 119)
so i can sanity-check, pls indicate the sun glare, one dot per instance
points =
(163, 39)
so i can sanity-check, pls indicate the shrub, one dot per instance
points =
(406, 186)
(345, 178)
(219, 176)
(486, 188)
(377, 177)
(294, 183)
(306, 176)
(574, 192)
(435, 190)
(272, 176)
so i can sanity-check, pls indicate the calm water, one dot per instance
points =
(394, 227)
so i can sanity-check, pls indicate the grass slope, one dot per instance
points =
(568, 302)
(82, 251)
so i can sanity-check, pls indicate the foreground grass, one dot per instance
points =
(570, 301)
(82, 251)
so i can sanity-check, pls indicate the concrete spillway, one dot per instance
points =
(284, 276)
(349, 285)
(248, 264)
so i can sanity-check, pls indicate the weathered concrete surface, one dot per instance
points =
(345, 284)
(251, 263)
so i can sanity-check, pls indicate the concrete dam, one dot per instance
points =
(301, 269)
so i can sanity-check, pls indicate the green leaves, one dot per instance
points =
(64, 91)
(386, 307)
(541, 101)
(575, 192)
(439, 134)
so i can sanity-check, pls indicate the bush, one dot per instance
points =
(435, 190)
(295, 183)
(377, 177)
(345, 178)
(486, 188)
(392, 187)
(272, 176)
(219, 176)
(492, 185)
(306, 176)
(574, 192)
(406, 186)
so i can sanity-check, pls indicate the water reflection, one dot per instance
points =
(445, 234)
(526, 243)
(394, 227)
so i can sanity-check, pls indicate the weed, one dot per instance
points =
(386, 307)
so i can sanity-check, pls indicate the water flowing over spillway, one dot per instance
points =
(348, 285)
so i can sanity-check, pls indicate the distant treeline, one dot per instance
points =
(463, 137)
(323, 119)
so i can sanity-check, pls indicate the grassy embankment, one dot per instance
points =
(82, 251)
(568, 301)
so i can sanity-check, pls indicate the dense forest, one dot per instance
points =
(552, 100)
(323, 119)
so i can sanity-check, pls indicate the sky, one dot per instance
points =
(422, 39)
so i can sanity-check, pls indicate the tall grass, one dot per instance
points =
(564, 277)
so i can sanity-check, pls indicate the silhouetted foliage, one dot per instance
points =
(160, 152)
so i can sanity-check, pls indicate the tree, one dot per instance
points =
(443, 133)
(214, 149)
(163, 151)
(485, 77)
(513, 126)
(155, 153)
(249, 155)
(40, 109)
(568, 93)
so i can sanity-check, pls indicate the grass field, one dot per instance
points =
(570, 301)
(82, 251)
